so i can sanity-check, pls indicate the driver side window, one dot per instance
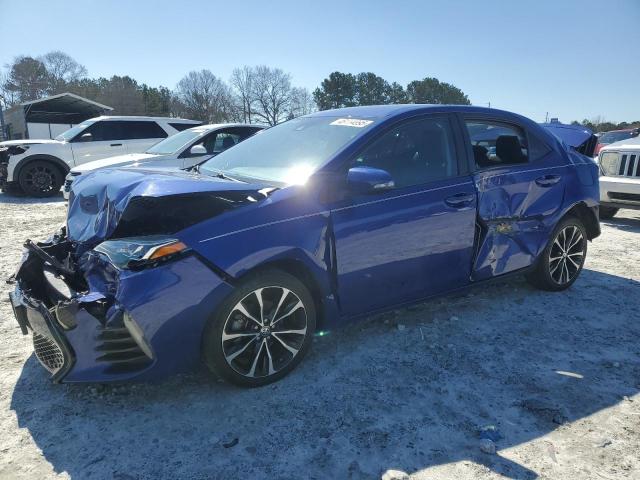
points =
(414, 153)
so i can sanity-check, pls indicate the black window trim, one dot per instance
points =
(474, 117)
(202, 138)
(458, 148)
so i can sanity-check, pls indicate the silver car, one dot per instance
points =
(182, 150)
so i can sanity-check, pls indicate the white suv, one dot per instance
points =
(181, 151)
(38, 167)
(620, 180)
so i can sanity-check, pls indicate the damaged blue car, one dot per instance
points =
(321, 219)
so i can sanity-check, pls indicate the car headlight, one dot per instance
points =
(138, 252)
(609, 163)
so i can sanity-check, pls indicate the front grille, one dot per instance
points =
(48, 353)
(118, 348)
(630, 197)
(629, 165)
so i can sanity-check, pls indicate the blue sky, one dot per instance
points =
(573, 58)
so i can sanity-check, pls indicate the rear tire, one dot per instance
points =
(261, 331)
(40, 178)
(561, 262)
(608, 212)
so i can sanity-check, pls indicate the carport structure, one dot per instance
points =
(50, 116)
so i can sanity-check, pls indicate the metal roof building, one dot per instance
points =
(50, 116)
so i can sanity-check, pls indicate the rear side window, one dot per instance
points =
(414, 153)
(497, 144)
(134, 130)
(183, 126)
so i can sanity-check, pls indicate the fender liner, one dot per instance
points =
(61, 164)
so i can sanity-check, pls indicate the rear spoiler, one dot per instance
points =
(577, 136)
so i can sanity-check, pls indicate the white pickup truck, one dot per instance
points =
(38, 167)
(620, 177)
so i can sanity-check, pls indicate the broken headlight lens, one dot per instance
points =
(140, 251)
(609, 163)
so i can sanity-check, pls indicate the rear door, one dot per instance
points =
(106, 140)
(520, 191)
(417, 239)
(139, 135)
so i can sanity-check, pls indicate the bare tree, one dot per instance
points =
(301, 103)
(272, 92)
(242, 80)
(205, 97)
(26, 79)
(62, 69)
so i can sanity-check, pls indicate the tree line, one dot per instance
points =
(599, 125)
(252, 94)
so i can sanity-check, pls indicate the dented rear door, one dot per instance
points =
(518, 205)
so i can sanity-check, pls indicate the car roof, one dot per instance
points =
(142, 117)
(383, 111)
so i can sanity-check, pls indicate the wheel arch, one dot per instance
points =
(588, 216)
(324, 300)
(61, 164)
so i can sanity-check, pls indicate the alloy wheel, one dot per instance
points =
(40, 179)
(264, 331)
(566, 255)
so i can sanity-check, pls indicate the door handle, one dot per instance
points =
(116, 145)
(460, 200)
(547, 180)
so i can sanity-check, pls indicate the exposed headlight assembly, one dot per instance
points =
(139, 252)
(609, 163)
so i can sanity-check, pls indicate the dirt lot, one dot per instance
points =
(557, 375)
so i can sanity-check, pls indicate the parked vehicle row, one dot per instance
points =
(38, 167)
(620, 177)
(321, 219)
(180, 151)
(614, 136)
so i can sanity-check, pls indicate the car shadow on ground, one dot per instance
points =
(22, 199)
(627, 220)
(409, 390)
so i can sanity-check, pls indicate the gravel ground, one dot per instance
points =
(552, 378)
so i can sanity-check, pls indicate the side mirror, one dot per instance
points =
(197, 150)
(86, 137)
(369, 180)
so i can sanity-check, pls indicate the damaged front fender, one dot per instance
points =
(110, 328)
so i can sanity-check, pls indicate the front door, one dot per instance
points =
(415, 240)
(107, 139)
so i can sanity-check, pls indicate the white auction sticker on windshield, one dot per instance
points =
(351, 122)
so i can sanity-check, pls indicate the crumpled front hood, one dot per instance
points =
(115, 203)
(117, 161)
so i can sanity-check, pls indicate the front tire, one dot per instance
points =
(562, 260)
(40, 178)
(261, 331)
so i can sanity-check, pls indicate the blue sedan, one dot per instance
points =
(306, 225)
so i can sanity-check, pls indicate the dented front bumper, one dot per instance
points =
(115, 325)
(49, 344)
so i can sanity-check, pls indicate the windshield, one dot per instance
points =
(614, 137)
(73, 131)
(287, 153)
(174, 143)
